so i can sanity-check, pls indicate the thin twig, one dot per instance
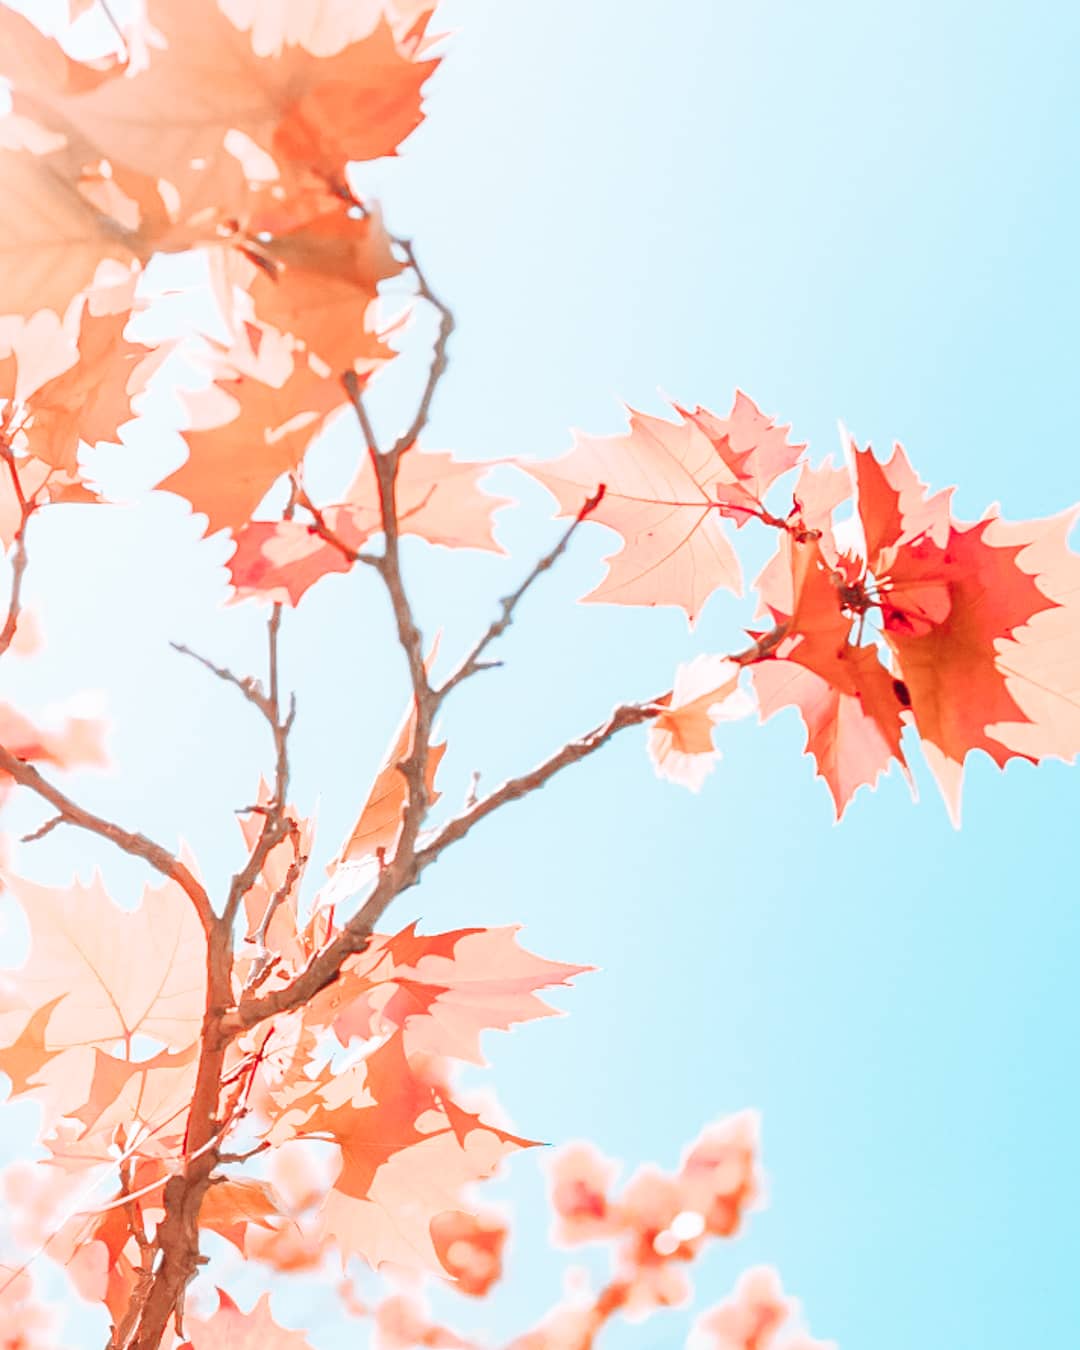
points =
(628, 715)
(20, 557)
(472, 663)
(42, 830)
(247, 684)
(439, 356)
(406, 867)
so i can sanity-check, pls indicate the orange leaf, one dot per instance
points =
(753, 446)
(319, 285)
(27, 1055)
(705, 693)
(231, 1329)
(234, 1205)
(661, 486)
(233, 463)
(444, 990)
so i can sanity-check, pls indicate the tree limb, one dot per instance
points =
(138, 845)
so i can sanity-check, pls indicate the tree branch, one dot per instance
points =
(439, 357)
(20, 558)
(138, 845)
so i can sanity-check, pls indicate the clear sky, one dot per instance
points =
(858, 211)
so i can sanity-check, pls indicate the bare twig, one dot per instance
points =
(509, 603)
(42, 830)
(247, 684)
(407, 866)
(138, 845)
(628, 715)
(321, 526)
(439, 357)
(19, 558)
(276, 823)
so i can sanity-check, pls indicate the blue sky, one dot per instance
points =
(864, 212)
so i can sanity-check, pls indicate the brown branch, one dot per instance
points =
(439, 357)
(472, 663)
(42, 830)
(628, 715)
(248, 686)
(20, 558)
(414, 766)
(321, 527)
(138, 845)
(276, 824)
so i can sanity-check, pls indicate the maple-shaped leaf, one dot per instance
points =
(233, 1205)
(81, 944)
(265, 432)
(52, 239)
(444, 990)
(661, 484)
(149, 1098)
(1041, 659)
(949, 596)
(949, 599)
(407, 1151)
(853, 716)
(229, 1328)
(947, 609)
(851, 704)
(705, 693)
(818, 491)
(438, 498)
(361, 109)
(279, 560)
(358, 103)
(754, 447)
(90, 400)
(318, 281)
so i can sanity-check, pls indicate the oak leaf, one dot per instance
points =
(318, 281)
(438, 498)
(1041, 660)
(444, 990)
(754, 447)
(234, 1205)
(183, 105)
(407, 1151)
(661, 485)
(231, 1329)
(233, 463)
(80, 944)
